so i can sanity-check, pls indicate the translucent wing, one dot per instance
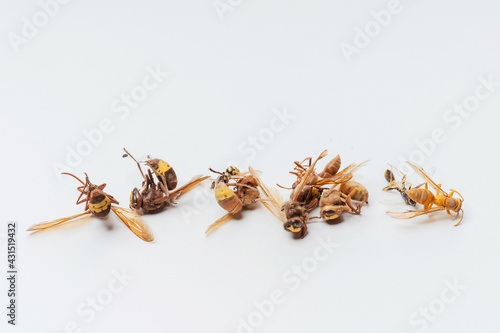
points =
(270, 198)
(337, 179)
(219, 223)
(422, 174)
(183, 189)
(306, 176)
(351, 168)
(134, 223)
(46, 225)
(414, 213)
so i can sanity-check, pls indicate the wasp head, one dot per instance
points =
(232, 170)
(135, 199)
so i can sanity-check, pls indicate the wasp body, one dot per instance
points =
(441, 200)
(99, 204)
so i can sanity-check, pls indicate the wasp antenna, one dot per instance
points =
(458, 193)
(217, 172)
(72, 175)
(138, 165)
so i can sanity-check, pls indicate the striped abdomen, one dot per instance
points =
(227, 199)
(361, 193)
(331, 168)
(422, 196)
(163, 168)
(99, 204)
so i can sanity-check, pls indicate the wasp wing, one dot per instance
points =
(351, 168)
(428, 179)
(270, 198)
(414, 213)
(46, 225)
(337, 179)
(134, 223)
(219, 223)
(306, 176)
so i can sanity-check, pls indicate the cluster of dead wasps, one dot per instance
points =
(332, 189)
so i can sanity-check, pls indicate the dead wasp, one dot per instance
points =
(398, 186)
(99, 204)
(165, 173)
(244, 195)
(154, 197)
(294, 214)
(308, 191)
(334, 202)
(343, 188)
(441, 199)
(329, 175)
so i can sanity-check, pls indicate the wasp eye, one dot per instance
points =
(135, 199)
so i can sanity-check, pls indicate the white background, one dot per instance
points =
(227, 73)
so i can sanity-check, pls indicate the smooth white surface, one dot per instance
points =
(225, 79)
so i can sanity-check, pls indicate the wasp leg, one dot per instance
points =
(460, 217)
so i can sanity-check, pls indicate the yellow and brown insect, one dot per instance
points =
(294, 214)
(244, 194)
(154, 197)
(165, 173)
(99, 204)
(329, 175)
(358, 191)
(398, 186)
(441, 200)
(337, 198)
(334, 202)
(308, 191)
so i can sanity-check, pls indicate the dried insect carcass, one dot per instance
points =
(164, 172)
(398, 186)
(243, 195)
(154, 197)
(99, 204)
(334, 202)
(294, 214)
(309, 191)
(441, 200)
